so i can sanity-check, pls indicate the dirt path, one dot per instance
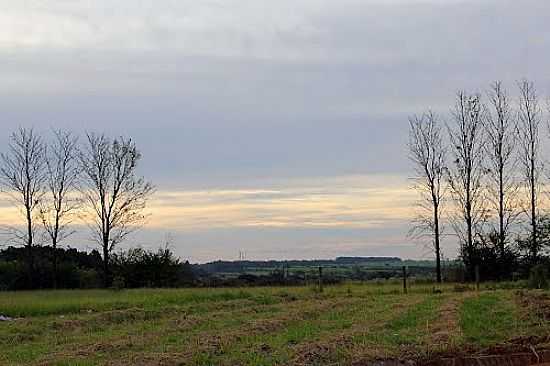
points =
(444, 332)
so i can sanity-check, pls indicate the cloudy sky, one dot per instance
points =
(277, 128)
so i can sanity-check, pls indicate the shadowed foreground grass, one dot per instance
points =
(255, 326)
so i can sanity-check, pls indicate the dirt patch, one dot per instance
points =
(535, 303)
(324, 352)
(126, 315)
(88, 350)
(528, 350)
(445, 329)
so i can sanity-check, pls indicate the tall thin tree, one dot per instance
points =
(466, 173)
(58, 208)
(22, 175)
(530, 120)
(501, 137)
(427, 152)
(115, 196)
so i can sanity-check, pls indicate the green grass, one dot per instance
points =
(249, 326)
(406, 328)
(490, 318)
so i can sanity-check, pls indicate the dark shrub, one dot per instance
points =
(538, 277)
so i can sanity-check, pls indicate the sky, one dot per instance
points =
(277, 128)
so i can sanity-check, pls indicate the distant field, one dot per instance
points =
(266, 326)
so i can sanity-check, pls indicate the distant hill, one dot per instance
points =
(246, 265)
(357, 260)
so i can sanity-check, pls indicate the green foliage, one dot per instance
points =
(143, 268)
(495, 263)
(136, 267)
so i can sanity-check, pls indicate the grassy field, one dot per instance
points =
(264, 326)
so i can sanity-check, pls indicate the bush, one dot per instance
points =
(538, 277)
(89, 278)
(118, 283)
(11, 273)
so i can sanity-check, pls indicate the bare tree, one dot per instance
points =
(114, 194)
(530, 119)
(501, 139)
(23, 176)
(466, 173)
(428, 152)
(57, 209)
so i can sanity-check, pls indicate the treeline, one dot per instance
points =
(481, 172)
(139, 267)
(55, 180)
(133, 268)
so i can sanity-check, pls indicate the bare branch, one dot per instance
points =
(428, 153)
(501, 141)
(22, 176)
(465, 174)
(115, 196)
(530, 119)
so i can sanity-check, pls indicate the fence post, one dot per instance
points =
(477, 277)
(320, 279)
(405, 279)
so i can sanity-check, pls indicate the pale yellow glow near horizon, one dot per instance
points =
(351, 201)
(342, 202)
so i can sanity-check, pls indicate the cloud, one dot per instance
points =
(343, 202)
(232, 97)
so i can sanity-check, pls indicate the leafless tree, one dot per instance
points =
(501, 141)
(115, 196)
(59, 205)
(466, 173)
(427, 152)
(23, 176)
(530, 119)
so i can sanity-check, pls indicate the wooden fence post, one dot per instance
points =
(405, 279)
(320, 279)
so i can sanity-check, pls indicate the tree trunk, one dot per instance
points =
(501, 234)
(54, 259)
(437, 244)
(106, 269)
(470, 241)
(30, 266)
(534, 248)
(501, 230)
(30, 256)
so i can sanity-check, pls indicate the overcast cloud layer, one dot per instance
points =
(244, 96)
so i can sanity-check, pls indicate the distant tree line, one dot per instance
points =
(140, 267)
(247, 265)
(480, 170)
(54, 181)
(133, 268)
